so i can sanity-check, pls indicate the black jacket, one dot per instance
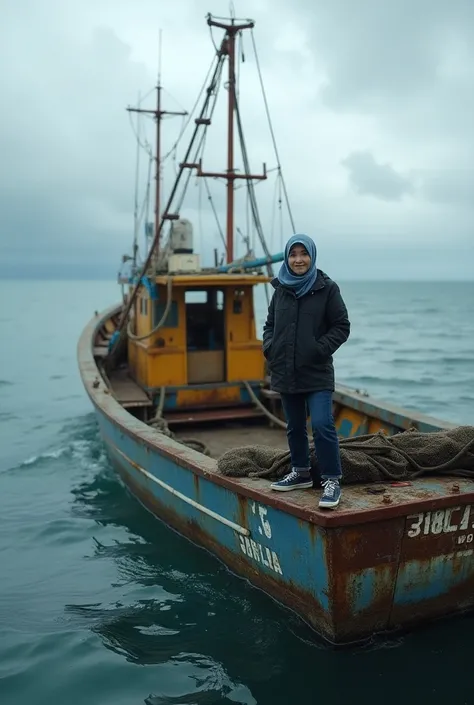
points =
(300, 336)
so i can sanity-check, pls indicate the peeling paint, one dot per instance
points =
(364, 568)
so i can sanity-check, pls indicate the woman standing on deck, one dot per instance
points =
(307, 322)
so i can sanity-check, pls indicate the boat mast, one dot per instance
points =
(228, 47)
(230, 143)
(158, 114)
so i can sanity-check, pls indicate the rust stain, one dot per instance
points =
(285, 592)
(242, 517)
(351, 553)
(357, 506)
(196, 486)
(202, 398)
(456, 600)
(312, 530)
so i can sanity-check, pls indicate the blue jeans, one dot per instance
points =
(326, 443)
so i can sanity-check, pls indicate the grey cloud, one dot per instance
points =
(391, 50)
(68, 71)
(448, 186)
(66, 188)
(369, 178)
(67, 195)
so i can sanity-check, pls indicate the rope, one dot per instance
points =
(250, 185)
(261, 406)
(387, 446)
(270, 125)
(159, 423)
(212, 90)
(187, 120)
(375, 457)
(126, 310)
(132, 336)
(211, 202)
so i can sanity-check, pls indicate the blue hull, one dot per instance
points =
(271, 548)
(347, 582)
(369, 567)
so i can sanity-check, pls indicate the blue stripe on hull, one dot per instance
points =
(347, 582)
(279, 552)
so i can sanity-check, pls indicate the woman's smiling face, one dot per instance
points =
(299, 260)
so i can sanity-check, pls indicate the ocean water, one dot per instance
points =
(101, 604)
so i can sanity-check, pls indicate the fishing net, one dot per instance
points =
(371, 458)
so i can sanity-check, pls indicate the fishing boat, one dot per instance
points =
(177, 378)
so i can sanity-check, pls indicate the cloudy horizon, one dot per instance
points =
(373, 113)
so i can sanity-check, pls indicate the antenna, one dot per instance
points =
(160, 34)
(158, 114)
(137, 173)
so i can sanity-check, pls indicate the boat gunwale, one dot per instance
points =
(190, 459)
(211, 279)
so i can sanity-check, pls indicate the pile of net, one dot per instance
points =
(372, 458)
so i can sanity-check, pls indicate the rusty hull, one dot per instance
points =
(358, 505)
(301, 601)
(367, 567)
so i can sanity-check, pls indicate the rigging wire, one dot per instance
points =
(272, 227)
(270, 125)
(145, 206)
(211, 202)
(189, 117)
(212, 89)
(280, 209)
(199, 184)
(131, 299)
(213, 40)
(173, 151)
(250, 185)
(135, 205)
(144, 145)
(170, 95)
(147, 199)
(247, 218)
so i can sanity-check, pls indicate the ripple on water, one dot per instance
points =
(104, 605)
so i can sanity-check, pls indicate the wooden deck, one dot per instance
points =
(127, 392)
(222, 437)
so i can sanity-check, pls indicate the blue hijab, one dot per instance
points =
(300, 283)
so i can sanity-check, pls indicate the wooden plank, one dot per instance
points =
(207, 415)
(126, 391)
(101, 351)
(269, 393)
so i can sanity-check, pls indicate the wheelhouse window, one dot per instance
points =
(159, 311)
(205, 319)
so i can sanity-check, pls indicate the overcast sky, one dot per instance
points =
(372, 104)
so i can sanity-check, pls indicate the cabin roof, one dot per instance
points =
(217, 280)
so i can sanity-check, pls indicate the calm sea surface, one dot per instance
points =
(101, 604)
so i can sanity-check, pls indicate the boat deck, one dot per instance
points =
(221, 438)
(377, 498)
(367, 501)
(127, 392)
